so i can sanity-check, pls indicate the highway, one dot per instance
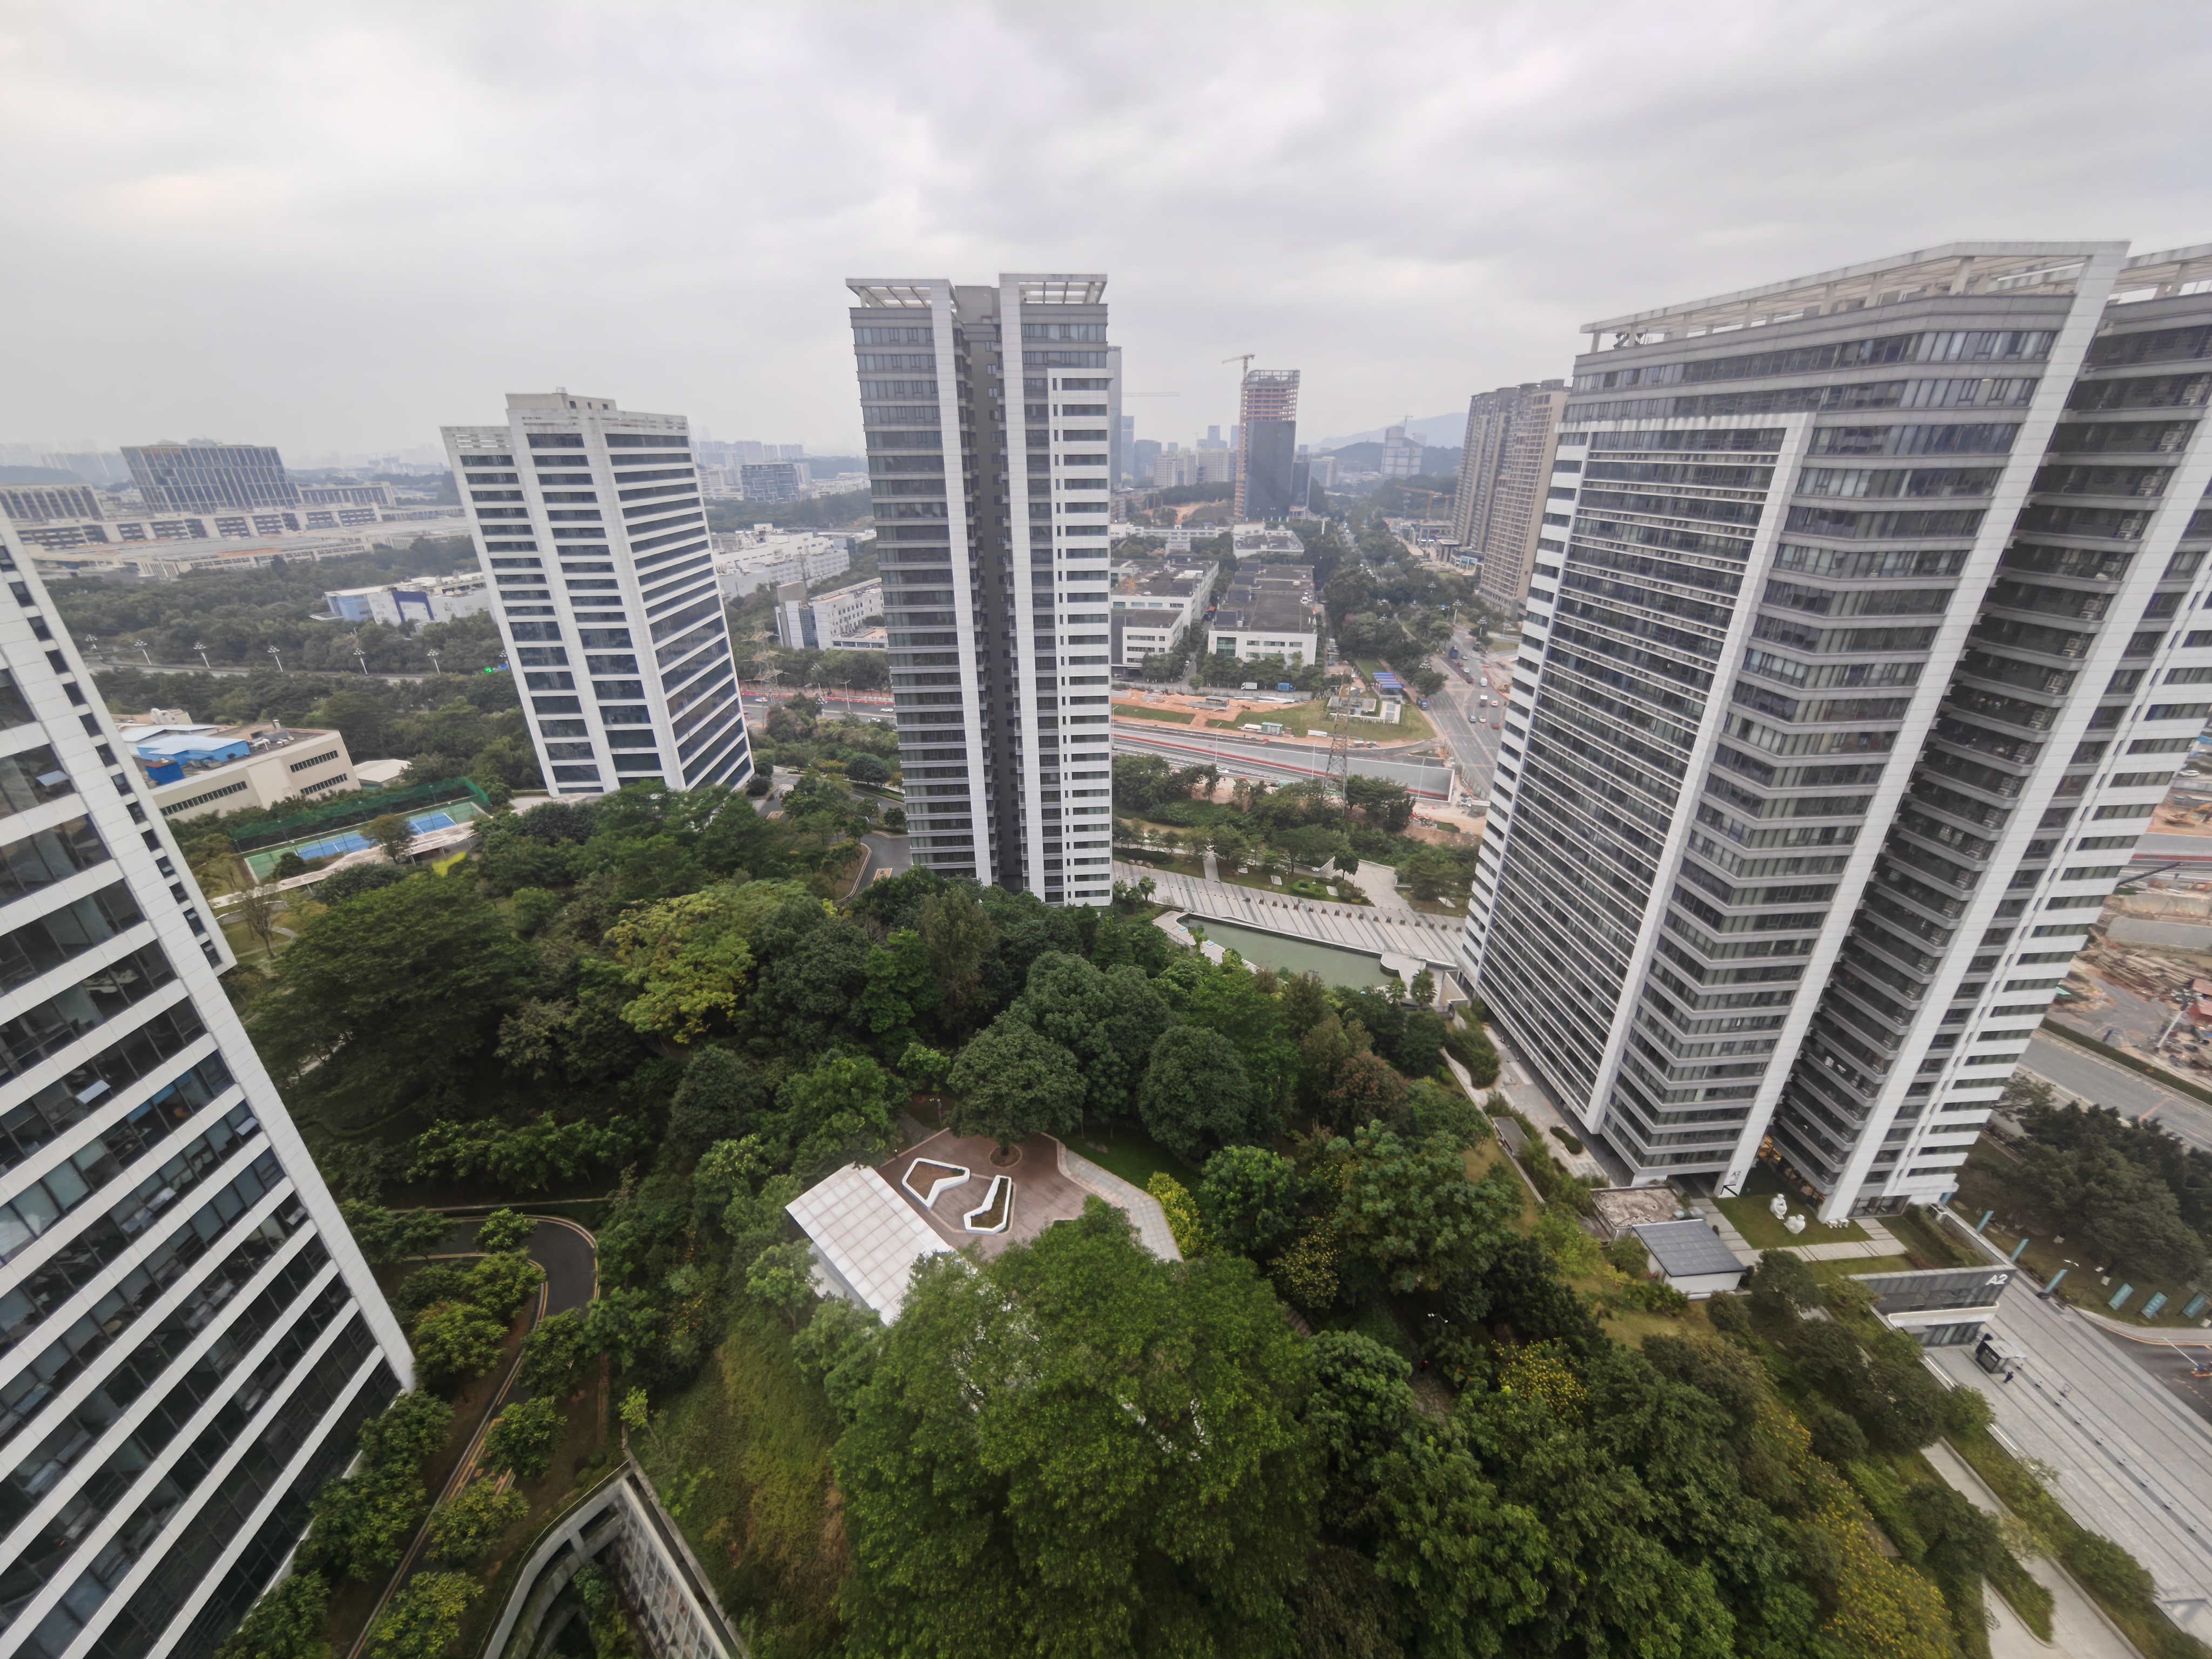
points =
(2079, 1072)
(1277, 762)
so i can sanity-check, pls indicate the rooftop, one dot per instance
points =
(167, 751)
(866, 1235)
(1961, 268)
(1688, 1250)
(1165, 578)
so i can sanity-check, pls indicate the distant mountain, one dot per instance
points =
(1436, 431)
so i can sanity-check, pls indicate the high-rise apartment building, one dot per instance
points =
(205, 476)
(987, 412)
(1867, 655)
(1401, 454)
(1268, 444)
(188, 1336)
(588, 526)
(1499, 507)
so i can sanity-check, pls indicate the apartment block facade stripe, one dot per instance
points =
(188, 1334)
(992, 482)
(1846, 690)
(623, 662)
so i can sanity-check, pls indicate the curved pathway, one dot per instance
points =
(570, 1257)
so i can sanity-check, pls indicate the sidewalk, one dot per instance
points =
(1878, 1241)
(1432, 941)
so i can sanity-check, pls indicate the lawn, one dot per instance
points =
(1134, 711)
(1128, 1152)
(1763, 1232)
(1482, 1159)
(741, 1458)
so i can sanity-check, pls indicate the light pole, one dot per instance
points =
(361, 657)
(144, 653)
(200, 646)
(434, 668)
(280, 661)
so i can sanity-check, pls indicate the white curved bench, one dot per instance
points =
(953, 1175)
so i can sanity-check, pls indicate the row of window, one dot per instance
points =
(31, 1124)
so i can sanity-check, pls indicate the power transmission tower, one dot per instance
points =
(1339, 751)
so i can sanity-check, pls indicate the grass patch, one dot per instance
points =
(1763, 1232)
(741, 1459)
(1134, 711)
(1481, 1160)
(1128, 1152)
(1928, 1241)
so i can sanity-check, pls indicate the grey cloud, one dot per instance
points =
(339, 226)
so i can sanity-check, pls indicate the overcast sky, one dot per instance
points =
(337, 226)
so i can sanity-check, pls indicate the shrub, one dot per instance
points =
(522, 1437)
(2107, 1569)
(1183, 1218)
(1306, 1273)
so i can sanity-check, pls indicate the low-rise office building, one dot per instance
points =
(763, 557)
(1154, 604)
(426, 599)
(828, 622)
(1268, 611)
(193, 770)
(37, 503)
(163, 561)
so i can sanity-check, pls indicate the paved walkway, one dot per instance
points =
(1380, 882)
(1433, 940)
(2079, 1627)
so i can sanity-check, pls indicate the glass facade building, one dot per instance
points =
(1849, 682)
(188, 1335)
(588, 524)
(205, 478)
(989, 418)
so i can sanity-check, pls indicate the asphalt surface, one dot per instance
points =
(888, 855)
(2165, 848)
(571, 1260)
(2132, 1462)
(2093, 1078)
(1248, 757)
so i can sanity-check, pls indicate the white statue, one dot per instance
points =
(1778, 1207)
(1795, 1225)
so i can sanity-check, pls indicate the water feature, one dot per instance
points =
(1335, 964)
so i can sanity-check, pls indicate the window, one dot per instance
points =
(556, 441)
(39, 946)
(49, 856)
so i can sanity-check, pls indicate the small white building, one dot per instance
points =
(193, 770)
(1692, 1257)
(766, 557)
(1154, 603)
(866, 1238)
(835, 621)
(426, 599)
(1269, 611)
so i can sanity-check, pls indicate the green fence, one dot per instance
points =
(359, 808)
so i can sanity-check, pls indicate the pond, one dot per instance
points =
(1285, 955)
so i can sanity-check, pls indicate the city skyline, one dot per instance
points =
(328, 261)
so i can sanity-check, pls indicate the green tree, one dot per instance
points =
(845, 1110)
(1194, 1096)
(1366, 1089)
(1160, 1400)
(1108, 1020)
(685, 961)
(719, 1099)
(389, 1237)
(361, 1521)
(1423, 990)
(384, 993)
(782, 1278)
(1412, 1211)
(1010, 1083)
(391, 833)
(456, 1340)
(902, 987)
(469, 1523)
(502, 1282)
(522, 1438)
(555, 1355)
(1232, 1000)
(1781, 1285)
(286, 1623)
(425, 1618)
(289, 865)
(1250, 1197)
(959, 937)
(505, 1230)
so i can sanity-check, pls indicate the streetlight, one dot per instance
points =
(200, 646)
(434, 669)
(280, 661)
(361, 657)
(144, 653)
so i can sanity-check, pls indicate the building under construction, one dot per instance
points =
(1268, 444)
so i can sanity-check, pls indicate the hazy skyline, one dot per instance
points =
(337, 227)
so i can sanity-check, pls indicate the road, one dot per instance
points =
(570, 1257)
(888, 856)
(1458, 714)
(2091, 1076)
(101, 665)
(1281, 763)
(2131, 1463)
(2166, 848)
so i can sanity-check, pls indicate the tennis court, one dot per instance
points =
(354, 841)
